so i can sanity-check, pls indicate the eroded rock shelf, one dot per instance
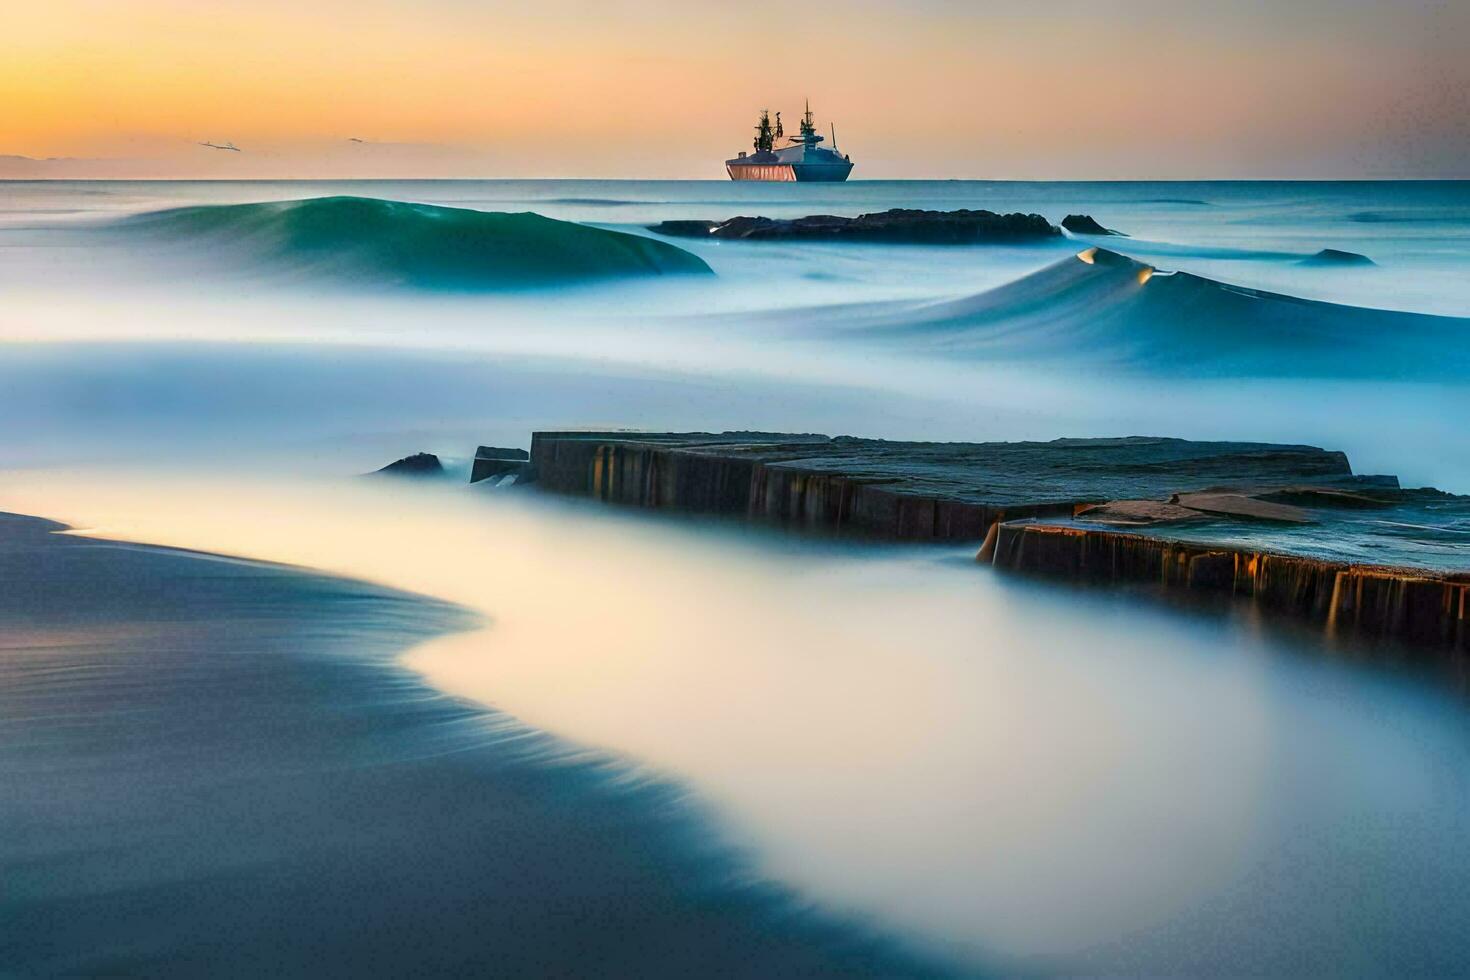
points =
(1423, 606)
(903, 490)
(1284, 526)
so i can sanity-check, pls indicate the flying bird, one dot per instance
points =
(220, 146)
(354, 139)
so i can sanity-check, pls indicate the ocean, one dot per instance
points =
(895, 341)
(1003, 773)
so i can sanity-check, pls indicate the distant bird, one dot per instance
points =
(220, 146)
(354, 139)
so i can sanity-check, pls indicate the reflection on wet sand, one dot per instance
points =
(1002, 766)
(215, 768)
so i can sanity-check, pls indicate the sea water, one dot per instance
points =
(1006, 772)
(213, 339)
(1013, 771)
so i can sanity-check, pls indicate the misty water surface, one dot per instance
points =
(1016, 771)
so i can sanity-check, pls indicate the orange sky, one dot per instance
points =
(661, 88)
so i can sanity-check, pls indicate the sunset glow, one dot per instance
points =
(682, 488)
(448, 88)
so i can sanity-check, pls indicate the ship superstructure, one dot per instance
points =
(803, 160)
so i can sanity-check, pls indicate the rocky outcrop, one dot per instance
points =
(1333, 256)
(1243, 506)
(897, 225)
(1086, 224)
(1138, 512)
(1256, 503)
(690, 228)
(1417, 605)
(1369, 497)
(1059, 508)
(902, 490)
(493, 462)
(417, 465)
(731, 478)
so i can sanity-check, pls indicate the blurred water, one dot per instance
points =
(1078, 782)
(754, 345)
(1417, 231)
(1013, 771)
(214, 767)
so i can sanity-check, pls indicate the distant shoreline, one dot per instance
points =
(725, 181)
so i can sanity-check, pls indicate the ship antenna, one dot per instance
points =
(834, 135)
(808, 128)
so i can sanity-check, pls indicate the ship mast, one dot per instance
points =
(764, 137)
(809, 134)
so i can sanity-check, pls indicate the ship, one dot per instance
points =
(803, 160)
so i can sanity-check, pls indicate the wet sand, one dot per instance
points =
(217, 767)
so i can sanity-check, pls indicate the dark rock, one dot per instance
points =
(683, 229)
(1242, 506)
(898, 225)
(1085, 224)
(493, 461)
(496, 452)
(1333, 256)
(1299, 508)
(907, 490)
(1137, 512)
(419, 464)
(1422, 606)
(1284, 505)
(1326, 497)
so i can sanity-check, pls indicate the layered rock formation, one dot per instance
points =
(897, 225)
(1060, 508)
(1360, 556)
(1288, 527)
(903, 490)
(1423, 606)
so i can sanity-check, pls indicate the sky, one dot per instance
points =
(1050, 89)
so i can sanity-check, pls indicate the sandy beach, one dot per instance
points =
(216, 766)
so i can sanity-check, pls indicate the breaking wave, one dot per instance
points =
(1105, 308)
(394, 243)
